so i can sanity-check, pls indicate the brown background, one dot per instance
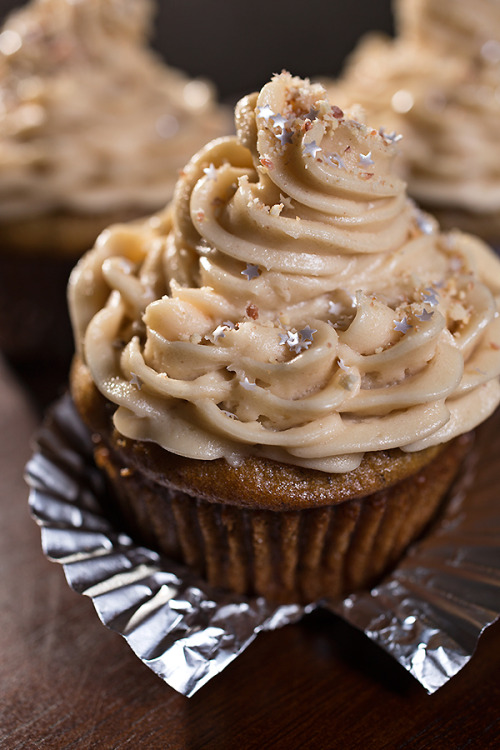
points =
(239, 45)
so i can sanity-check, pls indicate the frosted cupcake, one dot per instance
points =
(438, 85)
(281, 368)
(94, 130)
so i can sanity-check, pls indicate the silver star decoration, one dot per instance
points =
(135, 380)
(312, 149)
(342, 364)
(211, 172)
(229, 414)
(279, 121)
(426, 315)
(293, 340)
(297, 340)
(266, 112)
(365, 160)
(307, 333)
(335, 160)
(312, 114)
(221, 329)
(285, 137)
(247, 385)
(430, 297)
(402, 325)
(334, 308)
(287, 202)
(391, 137)
(424, 223)
(251, 272)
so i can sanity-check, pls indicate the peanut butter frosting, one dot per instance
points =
(292, 302)
(438, 85)
(91, 120)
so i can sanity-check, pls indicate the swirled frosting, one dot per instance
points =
(91, 120)
(292, 302)
(471, 29)
(437, 84)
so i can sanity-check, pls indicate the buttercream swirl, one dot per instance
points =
(91, 120)
(292, 302)
(437, 84)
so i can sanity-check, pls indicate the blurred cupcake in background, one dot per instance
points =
(94, 129)
(438, 85)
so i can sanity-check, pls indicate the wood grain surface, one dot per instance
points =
(68, 682)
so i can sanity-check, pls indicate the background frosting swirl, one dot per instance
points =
(80, 92)
(292, 302)
(437, 84)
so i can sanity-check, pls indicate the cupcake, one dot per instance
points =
(437, 84)
(94, 130)
(281, 370)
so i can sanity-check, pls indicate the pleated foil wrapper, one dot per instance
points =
(428, 613)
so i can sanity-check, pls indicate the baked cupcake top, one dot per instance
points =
(91, 120)
(292, 302)
(437, 84)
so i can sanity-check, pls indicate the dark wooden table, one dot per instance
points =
(68, 682)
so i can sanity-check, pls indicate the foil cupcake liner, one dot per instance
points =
(428, 613)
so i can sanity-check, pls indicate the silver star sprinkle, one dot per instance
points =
(430, 297)
(402, 325)
(286, 201)
(211, 172)
(297, 340)
(365, 160)
(251, 272)
(307, 333)
(312, 149)
(247, 385)
(334, 308)
(424, 223)
(390, 137)
(426, 315)
(229, 414)
(285, 137)
(221, 329)
(135, 380)
(266, 112)
(342, 364)
(279, 121)
(312, 114)
(335, 161)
